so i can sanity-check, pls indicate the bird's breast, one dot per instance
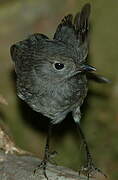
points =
(55, 100)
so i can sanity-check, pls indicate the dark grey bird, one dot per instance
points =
(52, 74)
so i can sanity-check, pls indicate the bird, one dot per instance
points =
(52, 75)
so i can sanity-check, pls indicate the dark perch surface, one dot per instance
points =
(16, 167)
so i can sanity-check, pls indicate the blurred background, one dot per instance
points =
(18, 19)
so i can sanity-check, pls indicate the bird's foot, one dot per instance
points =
(90, 170)
(48, 157)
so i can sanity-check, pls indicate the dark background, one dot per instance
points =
(18, 19)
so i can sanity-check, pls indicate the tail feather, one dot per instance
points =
(74, 32)
(81, 23)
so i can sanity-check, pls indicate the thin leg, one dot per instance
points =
(47, 154)
(89, 169)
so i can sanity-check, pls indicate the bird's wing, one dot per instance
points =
(27, 44)
(97, 78)
(25, 56)
(23, 53)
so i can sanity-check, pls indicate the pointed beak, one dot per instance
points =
(87, 68)
(83, 68)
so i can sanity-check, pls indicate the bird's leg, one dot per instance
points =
(47, 154)
(89, 168)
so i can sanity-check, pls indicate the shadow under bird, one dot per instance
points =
(52, 76)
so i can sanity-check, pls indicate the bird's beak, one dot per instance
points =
(87, 68)
(84, 68)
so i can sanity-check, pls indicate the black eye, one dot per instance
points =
(58, 66)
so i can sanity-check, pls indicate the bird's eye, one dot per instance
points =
(58, 66)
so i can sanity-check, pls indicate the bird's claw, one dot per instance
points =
(90, 170)
(47, 158)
